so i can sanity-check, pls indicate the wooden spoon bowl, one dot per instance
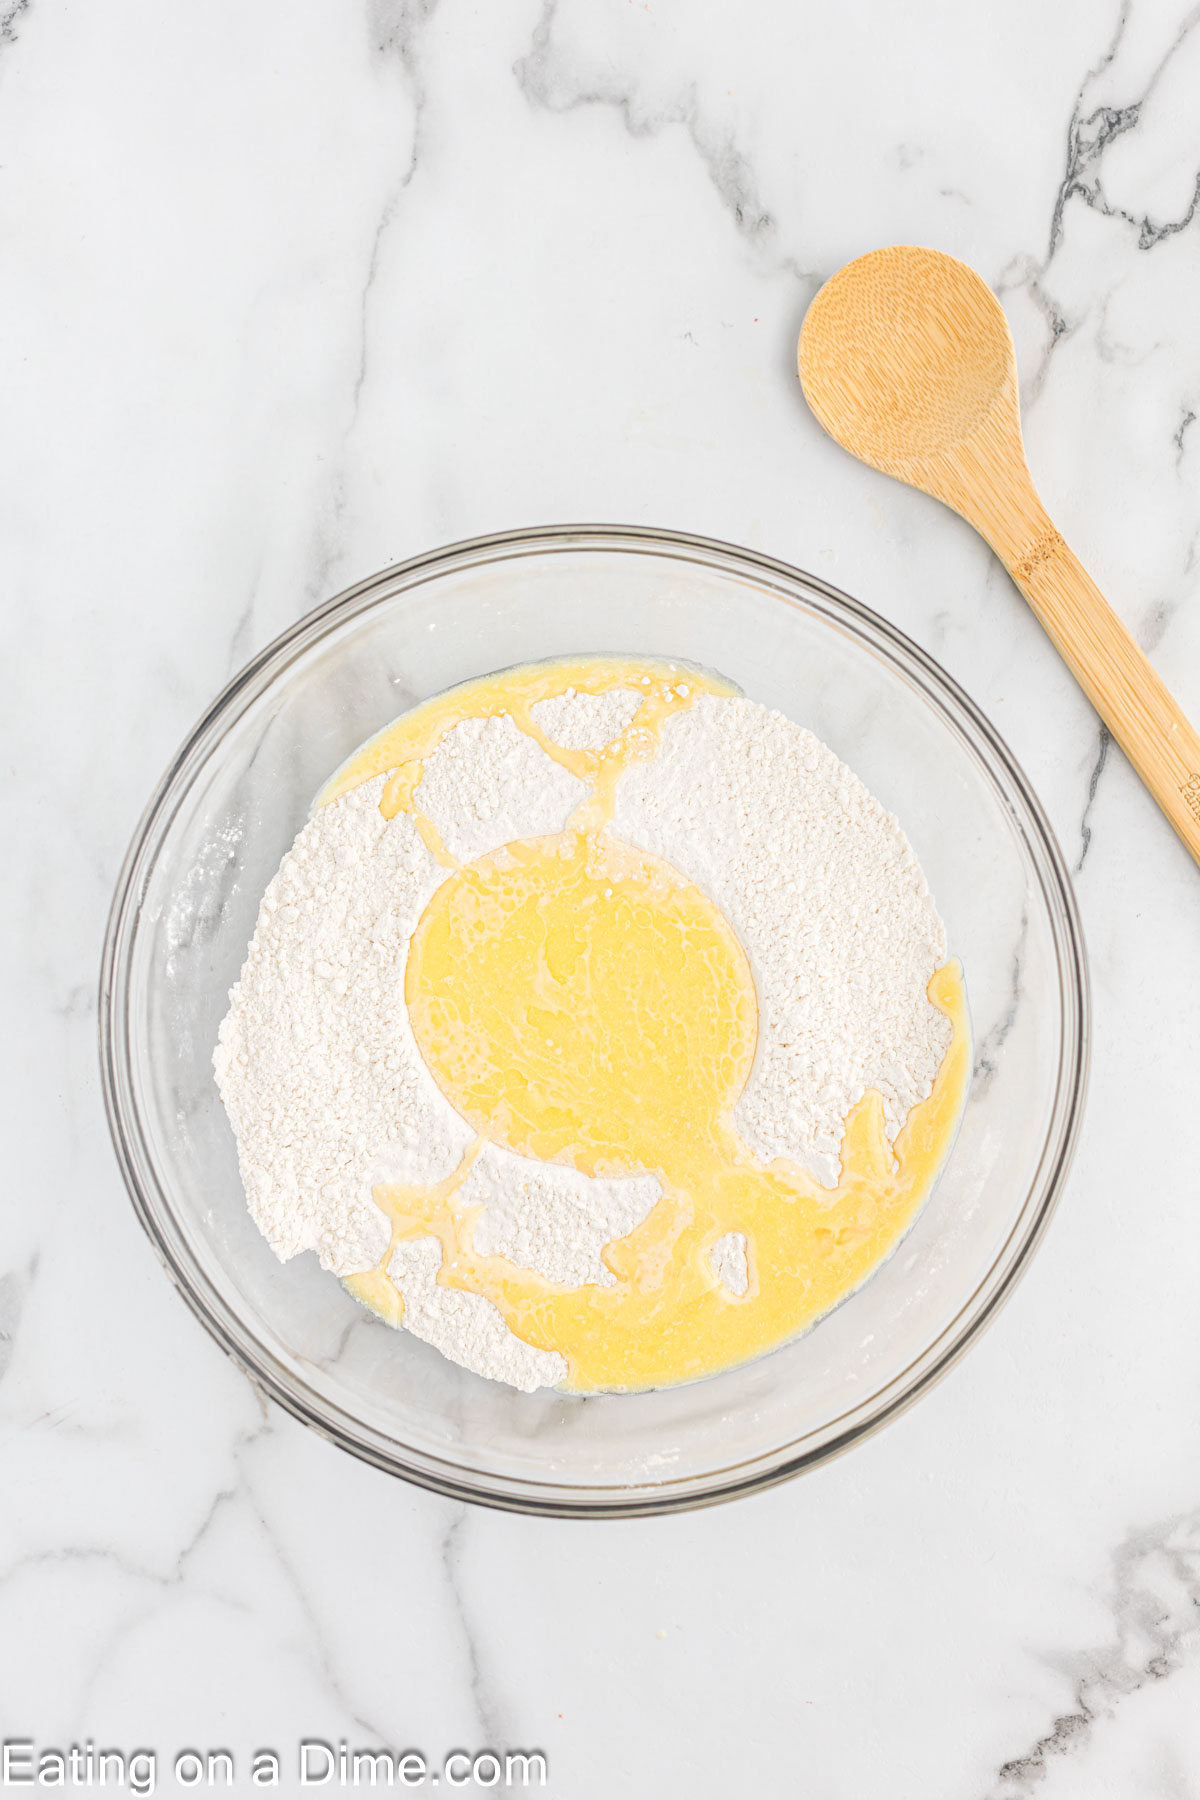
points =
(878, 356)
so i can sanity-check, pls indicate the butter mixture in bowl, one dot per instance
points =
(598, 1028)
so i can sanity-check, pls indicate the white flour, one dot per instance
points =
(586, 721)
(487, 783)
(729, 1263)
(329, 1096)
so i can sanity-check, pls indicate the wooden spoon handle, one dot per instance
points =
(1116, 676)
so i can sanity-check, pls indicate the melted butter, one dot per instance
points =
(416, 1212)
(399, 795)
(580, 1002)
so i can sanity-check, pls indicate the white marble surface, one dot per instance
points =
(292, 290)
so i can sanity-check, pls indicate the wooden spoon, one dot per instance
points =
(907, 360)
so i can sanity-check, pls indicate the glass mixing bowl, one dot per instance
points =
(241, 787)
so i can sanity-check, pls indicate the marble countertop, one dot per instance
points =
(293, 290)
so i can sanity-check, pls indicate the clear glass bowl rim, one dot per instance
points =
(974, 733)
